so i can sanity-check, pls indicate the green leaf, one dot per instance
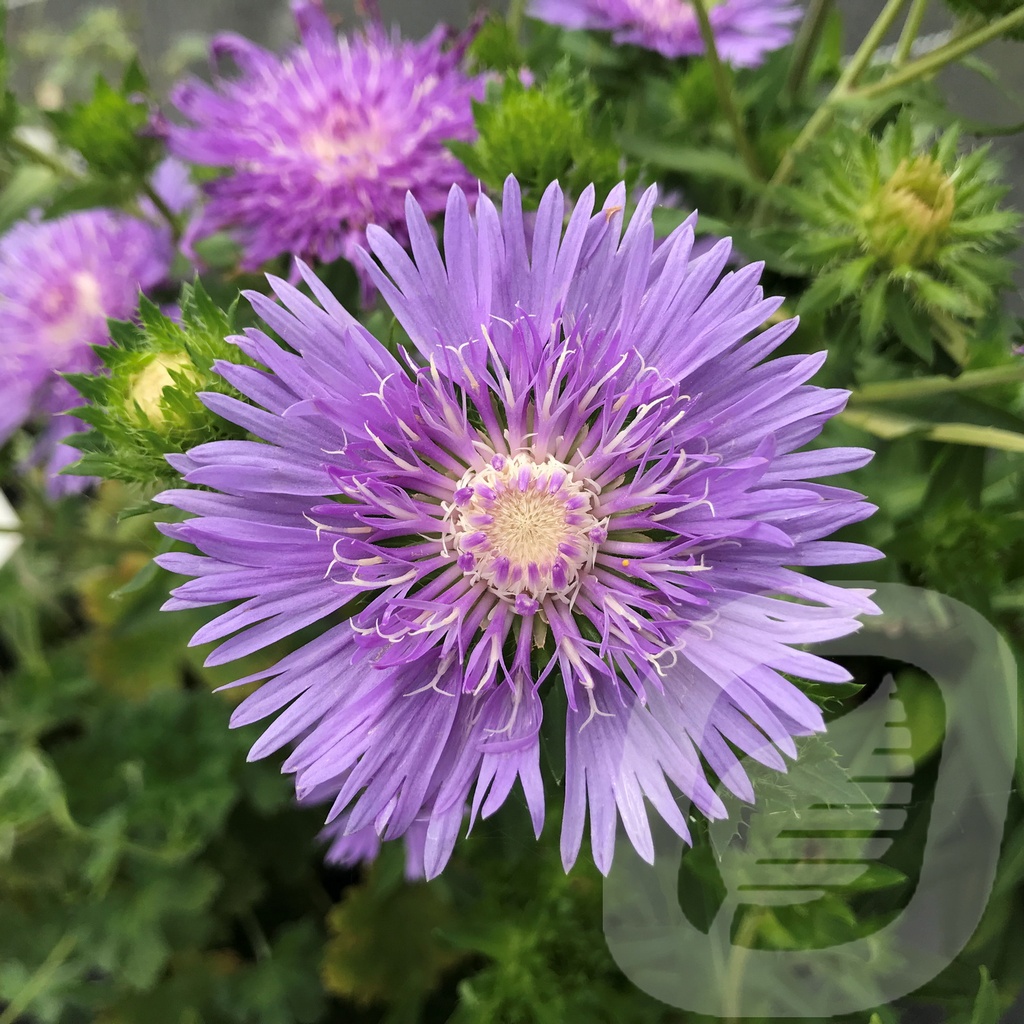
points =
(8, 104)
(872, 311)
(108, 129)
(28, 186)
(986, 1004)
(718, 165)
(30, 788)
(384, 948)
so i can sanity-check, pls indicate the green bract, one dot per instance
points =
(540, 133)
(145, 405)
(911, 236)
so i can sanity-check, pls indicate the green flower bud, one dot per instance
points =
(907, 239)
(540, 133)
(907, 222)
(144, 405)
(146, 391)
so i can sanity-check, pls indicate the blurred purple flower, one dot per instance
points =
(172, 182)
(745, 30)
(326, 140)
(59, 282)
(585, 478)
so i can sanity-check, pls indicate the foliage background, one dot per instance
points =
(148, 873)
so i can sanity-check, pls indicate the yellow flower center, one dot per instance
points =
(525, 528)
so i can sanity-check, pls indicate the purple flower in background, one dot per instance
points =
(59, 282)
(327, 139)
(583, 478)
(172, 182)
(745, 30)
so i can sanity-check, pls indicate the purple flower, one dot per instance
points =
(172, 182)
(745, 30)
(327, 139)
(59, 282)
(584, 478)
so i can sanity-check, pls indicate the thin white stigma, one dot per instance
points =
(525, 528)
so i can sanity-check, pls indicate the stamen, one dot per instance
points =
(528, 527)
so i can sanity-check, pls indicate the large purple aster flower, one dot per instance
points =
(59, 282)
(583, 478)
(326, 140)
(745, 30)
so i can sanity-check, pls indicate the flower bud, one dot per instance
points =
(146, 389)
(906, 223)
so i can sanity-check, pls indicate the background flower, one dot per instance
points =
(745, 30)
(59, 282)
(586, 468)
(327, 139)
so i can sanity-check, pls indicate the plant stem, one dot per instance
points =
(911, 28)
(726, 92)
(939, 58)
(516, 10)
(807, 44)
(862, 58)
(38, 982)
(57, 165)
(840, 91)
(41, 157)
(927, 387)
(164, 210)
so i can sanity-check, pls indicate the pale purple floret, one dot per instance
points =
(584, 477)
(745, 30)
(59, 282)
(172, 182)
(327, 139)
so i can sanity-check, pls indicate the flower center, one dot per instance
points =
(525, 528)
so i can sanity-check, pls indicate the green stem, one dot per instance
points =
(41, 157)
(38, 982)
(940, 57)
(516, 12)
(911, 28)
(726, 93)
(58, 166)
(807, 45)
(840, 91)
(164, 210)
(927, 387)
(862, 58)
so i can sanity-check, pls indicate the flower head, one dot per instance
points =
(897, 224)
(327, 139)
(583, 478)
(59, 282)
(745, 30)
